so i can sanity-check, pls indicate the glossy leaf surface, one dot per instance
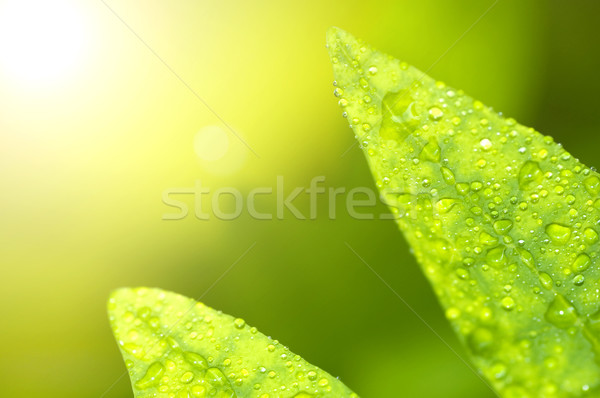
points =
(176, 347)
(503, 221)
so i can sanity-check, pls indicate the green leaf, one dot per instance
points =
(502, 220)
(175, 347)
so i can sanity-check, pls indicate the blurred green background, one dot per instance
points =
(94, 128)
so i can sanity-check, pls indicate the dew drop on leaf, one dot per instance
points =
(150, 378)
(559, 234)
(530, 174)
(581, 263)
(592, 185)
(561, 313)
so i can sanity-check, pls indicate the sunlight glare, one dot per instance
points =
(41, 42)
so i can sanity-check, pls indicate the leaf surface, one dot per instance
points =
(176, 347)
(502, 220)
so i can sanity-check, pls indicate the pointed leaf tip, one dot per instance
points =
(341, 44)
(334, 35)
(176, 347)
(503, 221)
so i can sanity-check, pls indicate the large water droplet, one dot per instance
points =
(487, 239)
(153, 374)
(431, 151)
(527, 257)
(530, 174)
(187, 377)
(480, 340)
(485, 144)
(590, 236)
(592, 185)
(561, 313)
(399, 116)
(445, 205)
(546, 280)
(497, 256)
(239, 323)
(462, 188)
(215, 377)
(559, 234)
(436, 113)
(195, 359)
(581, 263)
(508, 303)
(503, 226)
(447, 175)
(199, 391)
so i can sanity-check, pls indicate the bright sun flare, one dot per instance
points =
(41, 41)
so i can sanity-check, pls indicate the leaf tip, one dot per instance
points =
(337, 40)
(333, 34)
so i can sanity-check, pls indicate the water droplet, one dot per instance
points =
(436, 113)
(239, 323)
(462, 273)
(485, 144)
(338, 92)
(399, 118)
(445, 205)
(487, 239)
(578, 280)
(215, 377)
(581, 263)
(462, 188)
(195, 359)
(561, 313)
(503, 226)
(199, 391)
(480, 340)
(431, 151)
(546, 280)
(498, 370)
(529, 174)
(476, 210)
(559, 234)
(144, 313)
(441, 250)
(508, 303)
(590, 236)
(447, 175)
(476, 186)
(187, 377)
(497, 256)
(592, 185)
(527, 257)
(153, 374)
(452, 313)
